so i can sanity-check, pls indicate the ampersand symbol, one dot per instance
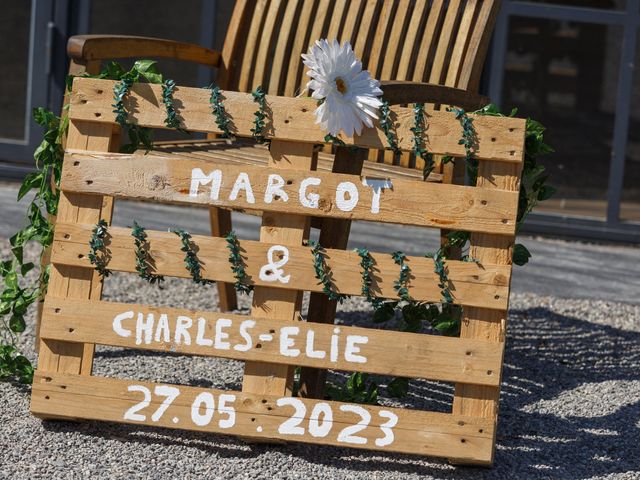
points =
(272, 271)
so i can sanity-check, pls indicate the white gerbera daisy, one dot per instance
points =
(350, 94)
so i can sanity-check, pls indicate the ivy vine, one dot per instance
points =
(143, 266)
(191, 261)
(259, 123)
(171, 120)
(323, 273)
(237, 263)
(418, 130)
(387, 127)
(366, 264)
(99, 254)
(220, 113)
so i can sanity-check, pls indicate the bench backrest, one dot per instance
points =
(436, 41)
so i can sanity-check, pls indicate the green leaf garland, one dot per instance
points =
(237, 263)
(99, 255)
(191, 261)
(143, 266)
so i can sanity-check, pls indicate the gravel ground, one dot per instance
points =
(570, 406)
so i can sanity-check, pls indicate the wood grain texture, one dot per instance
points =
(109, 47)
(483, 285)
(406, 202)
(270, 302)
(481, 323)
(499, 138)
(413, 354)
(423, 433)
(77, 281)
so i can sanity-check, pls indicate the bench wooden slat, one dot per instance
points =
(408, 202)
(260, 416)
(413, 355)
(499, 138)
(471, 284)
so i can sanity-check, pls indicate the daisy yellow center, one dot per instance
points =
(341, 85)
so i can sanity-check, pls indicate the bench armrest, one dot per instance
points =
(102, 47)
(398, 92)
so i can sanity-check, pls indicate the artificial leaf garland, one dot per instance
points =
(99, 255)
(237, 264)
(171, 120)
(400, 285)
(387, 127)
(220, 113)
(366, 263)
(418, 130)
(258, 122)
(191, 261)
(323, 273)
(470, 142)
(142, 255)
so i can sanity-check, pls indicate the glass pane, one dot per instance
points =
(14, 68)
(153, 18)
(605, 4)
(630, 207)
(565, 75)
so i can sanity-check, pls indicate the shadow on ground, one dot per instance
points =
(569, 410)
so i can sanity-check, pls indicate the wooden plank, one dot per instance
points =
(334, 233)
(262, 416)
(77, 281)
(499, 138)
(272, 340)
(270, 302)
(480, 323)
(483, 285)
(408, 202)
(220, 222)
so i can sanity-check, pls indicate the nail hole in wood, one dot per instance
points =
(497, 297)
(258, 345)
(468, 353)
(462, 440)
(57, 310)
(304, 110)
(80, 255)
(97, 114)
(83, 101)
(47, 379)
(511, 129)
(483, 202)
(76, 163)
(89, 182)
(264, 400)
(512, 153)
(63, 387)
(71, 330)
(67, 236)
(46, 397)
(489, 372)
(99, 92)
(269, 408)
(253, 419)
(272, 331)
(481, 431)
(286, 121)
(289, 182)
(493, 139)
(505, 220)
(461, 423)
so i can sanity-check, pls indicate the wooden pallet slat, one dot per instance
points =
(261, 416)
(251, 338)
(201, 182)
(483, 285)
(293, 119)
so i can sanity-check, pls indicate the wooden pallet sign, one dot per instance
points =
(271, 339)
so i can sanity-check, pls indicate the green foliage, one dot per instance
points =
(398, 387)
(470, 142)
(220, 113)
(99, 254)
(418, 129)
(358, 388)
(366, 263)
(14, 366)
(400, 285)
(142, 70)
(323, 273)
(521, 254)
(237, 263)
(16, 297)
(191, 261)
(171, 120)
(387, 127)
(258, 121)
(143, 267)
(338, 142)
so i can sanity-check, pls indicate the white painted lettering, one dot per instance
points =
(200, 339)
(274, 188)
(242, 183)
(198, 178)
(145, 326)
(162, 329)
(272, 271)
(244, 327)
(311, 353)
(377, 186)
(221, 336)
(344, 189)
(309, 200)
(181, 335)
(350, 349)
(286, 342)
(117, 323)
